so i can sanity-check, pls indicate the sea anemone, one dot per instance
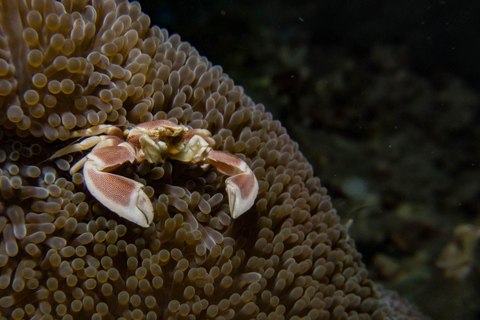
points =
(72, 65)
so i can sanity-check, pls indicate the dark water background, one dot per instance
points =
(383, 98)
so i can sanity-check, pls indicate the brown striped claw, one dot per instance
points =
(154, 141)
(121, 195)
(242, 186)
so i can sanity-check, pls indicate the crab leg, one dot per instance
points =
(106, 141)
(96, 142)
(123, 196)
(242, 186)
(83, 145)
(96, 130)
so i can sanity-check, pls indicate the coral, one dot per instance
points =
(456, 259)
(395, 307)
(63, 255)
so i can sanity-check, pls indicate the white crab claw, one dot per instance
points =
(242, 186)
(123, 196)
(242, 190)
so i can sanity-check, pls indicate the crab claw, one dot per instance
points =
(123, 196)
(242, 186)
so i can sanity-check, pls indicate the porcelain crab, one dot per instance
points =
(154, 141)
